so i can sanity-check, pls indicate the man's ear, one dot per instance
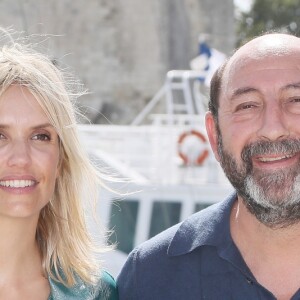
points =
(211, 130)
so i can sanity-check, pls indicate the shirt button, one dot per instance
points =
(249, 280)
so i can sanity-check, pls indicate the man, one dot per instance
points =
(248, 246)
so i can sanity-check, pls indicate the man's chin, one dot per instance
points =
(276, 206)
(269, 192)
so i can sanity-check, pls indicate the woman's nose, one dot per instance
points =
(19, 154)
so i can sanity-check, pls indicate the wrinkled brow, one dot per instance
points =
(242, 91)
(291, 86)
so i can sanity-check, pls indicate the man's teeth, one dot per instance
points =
(17, 183)
(267, 159)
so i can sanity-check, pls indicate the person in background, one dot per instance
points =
(45, 249)
(247, 246)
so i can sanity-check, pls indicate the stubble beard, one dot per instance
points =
(273, 197)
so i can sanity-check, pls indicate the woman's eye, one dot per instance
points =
(42, 137)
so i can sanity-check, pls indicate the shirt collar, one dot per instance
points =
(208, 227)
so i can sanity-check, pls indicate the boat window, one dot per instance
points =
(200, 206)
(164, 215)
(123, 218)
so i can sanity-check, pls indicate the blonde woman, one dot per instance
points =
(45, 249)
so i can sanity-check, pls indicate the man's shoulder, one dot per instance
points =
(200, 228)
(160, 267)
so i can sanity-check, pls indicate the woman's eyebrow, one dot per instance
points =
(44, 125)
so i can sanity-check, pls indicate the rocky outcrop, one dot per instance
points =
(122, 49)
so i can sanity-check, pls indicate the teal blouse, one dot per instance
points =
(105, 289)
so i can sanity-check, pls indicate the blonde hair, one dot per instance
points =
(66, 247)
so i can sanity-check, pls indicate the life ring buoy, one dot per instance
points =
(202, 156)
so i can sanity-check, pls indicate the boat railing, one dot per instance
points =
(191, 101)
(149, 153)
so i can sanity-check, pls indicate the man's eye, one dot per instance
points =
(41, 137)
(293, 105)
(245, 106)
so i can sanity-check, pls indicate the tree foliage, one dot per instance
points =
(269, 15)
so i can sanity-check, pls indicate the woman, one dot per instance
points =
(45, 249)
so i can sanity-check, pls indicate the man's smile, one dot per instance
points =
(275, 158)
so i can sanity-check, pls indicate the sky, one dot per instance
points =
(243, 5)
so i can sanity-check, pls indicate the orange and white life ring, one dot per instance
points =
(203, 154)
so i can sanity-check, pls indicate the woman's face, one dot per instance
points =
(29, 155)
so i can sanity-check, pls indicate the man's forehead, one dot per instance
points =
(261, 53)
(264, 48)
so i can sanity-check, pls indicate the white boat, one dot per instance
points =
(171, 171)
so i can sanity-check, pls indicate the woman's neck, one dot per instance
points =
(19, 252)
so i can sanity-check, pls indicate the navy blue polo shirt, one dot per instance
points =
(196, 259)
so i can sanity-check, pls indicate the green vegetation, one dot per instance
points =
(269, 15)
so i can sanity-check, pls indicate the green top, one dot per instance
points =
(105, 289)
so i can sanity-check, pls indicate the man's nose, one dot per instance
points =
(19, 153)
(273, 123)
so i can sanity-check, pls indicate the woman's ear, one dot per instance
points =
(211, 129)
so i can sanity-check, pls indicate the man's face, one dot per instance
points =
(257, 138)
